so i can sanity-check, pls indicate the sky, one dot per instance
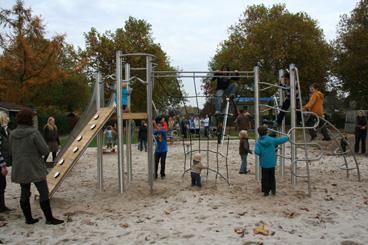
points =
(189, 31)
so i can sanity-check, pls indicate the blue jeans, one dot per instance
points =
(231, 89)
(196, 179)
(243, 164)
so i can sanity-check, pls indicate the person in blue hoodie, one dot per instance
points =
(265, 149)
(161, 148)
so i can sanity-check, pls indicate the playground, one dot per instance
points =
(176, 213)
(260, 146)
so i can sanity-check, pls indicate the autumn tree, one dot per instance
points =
(29, 60)
(351, 56)
(36, 70)
(134, 37)
(273, 38)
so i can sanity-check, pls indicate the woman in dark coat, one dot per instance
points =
(360, 131)
(50, 133)
(4, 158)
(27, 147)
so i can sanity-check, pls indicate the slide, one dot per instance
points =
(72, 152)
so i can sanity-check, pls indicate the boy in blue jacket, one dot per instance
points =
(265, 149)
(161, 148)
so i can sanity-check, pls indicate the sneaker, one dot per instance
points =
(217, 112)
(313, 137)
(326, 139)
(266, 194)
(273, 193)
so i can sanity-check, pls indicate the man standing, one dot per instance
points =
(243, 120)
(206, 125)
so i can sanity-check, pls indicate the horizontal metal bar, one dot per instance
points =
(200, 76)
(137, 54)
(207, 72)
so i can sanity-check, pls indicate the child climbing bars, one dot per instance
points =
(195, 171)
(265, 149)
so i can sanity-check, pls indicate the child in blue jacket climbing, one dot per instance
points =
(265, 149)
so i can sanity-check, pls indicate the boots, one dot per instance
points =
(26, 208)
(50, 220)
(3, 208)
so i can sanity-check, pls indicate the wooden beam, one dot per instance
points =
(134, 115)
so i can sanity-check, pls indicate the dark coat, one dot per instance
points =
(27, 147)
(361, 122)
(5, 145)
(142, 133)
(51, 137)
(244, 147)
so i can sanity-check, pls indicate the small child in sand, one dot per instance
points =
(109, 134)
(265, 149)
(243, 151)
(195, 171)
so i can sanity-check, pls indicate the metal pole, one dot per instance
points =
(282, 153)
(99, 135)
(120, 124)
(149, 120)
(293, 122)
(129, 128)
(225, 121)
(256, 113)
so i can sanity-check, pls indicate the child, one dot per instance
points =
(109, 137)
(243, 151)
(265, 149)
(142, 136)
(195, 171)
(124, 96)
(161, 149)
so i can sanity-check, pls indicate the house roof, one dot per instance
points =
(10, 106)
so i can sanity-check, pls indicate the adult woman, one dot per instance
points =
(27, 147)
(50, 133)
(360, 131)
(5, 159)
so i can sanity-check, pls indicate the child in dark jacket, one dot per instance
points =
(243, 151)
(265, 149)
(142, 136)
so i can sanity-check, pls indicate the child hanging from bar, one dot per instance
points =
(124, 96)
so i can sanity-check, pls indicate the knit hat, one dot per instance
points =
(197, 157)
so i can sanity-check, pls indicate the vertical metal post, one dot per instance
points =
(99, 95)
(256, 113)
(120, 124)
(225, 121)
(129, 128)
(282, 153)
(149, 81)
(293, 122)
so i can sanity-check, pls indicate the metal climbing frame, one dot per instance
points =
(188, 150)
(296, 106)
(122, 59)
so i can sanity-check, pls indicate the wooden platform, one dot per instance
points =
(76, 149)
(134, 115)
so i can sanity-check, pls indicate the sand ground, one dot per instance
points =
(176, 213)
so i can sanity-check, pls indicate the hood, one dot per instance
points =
(23, 131)
(319, 94)
(265, 140)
